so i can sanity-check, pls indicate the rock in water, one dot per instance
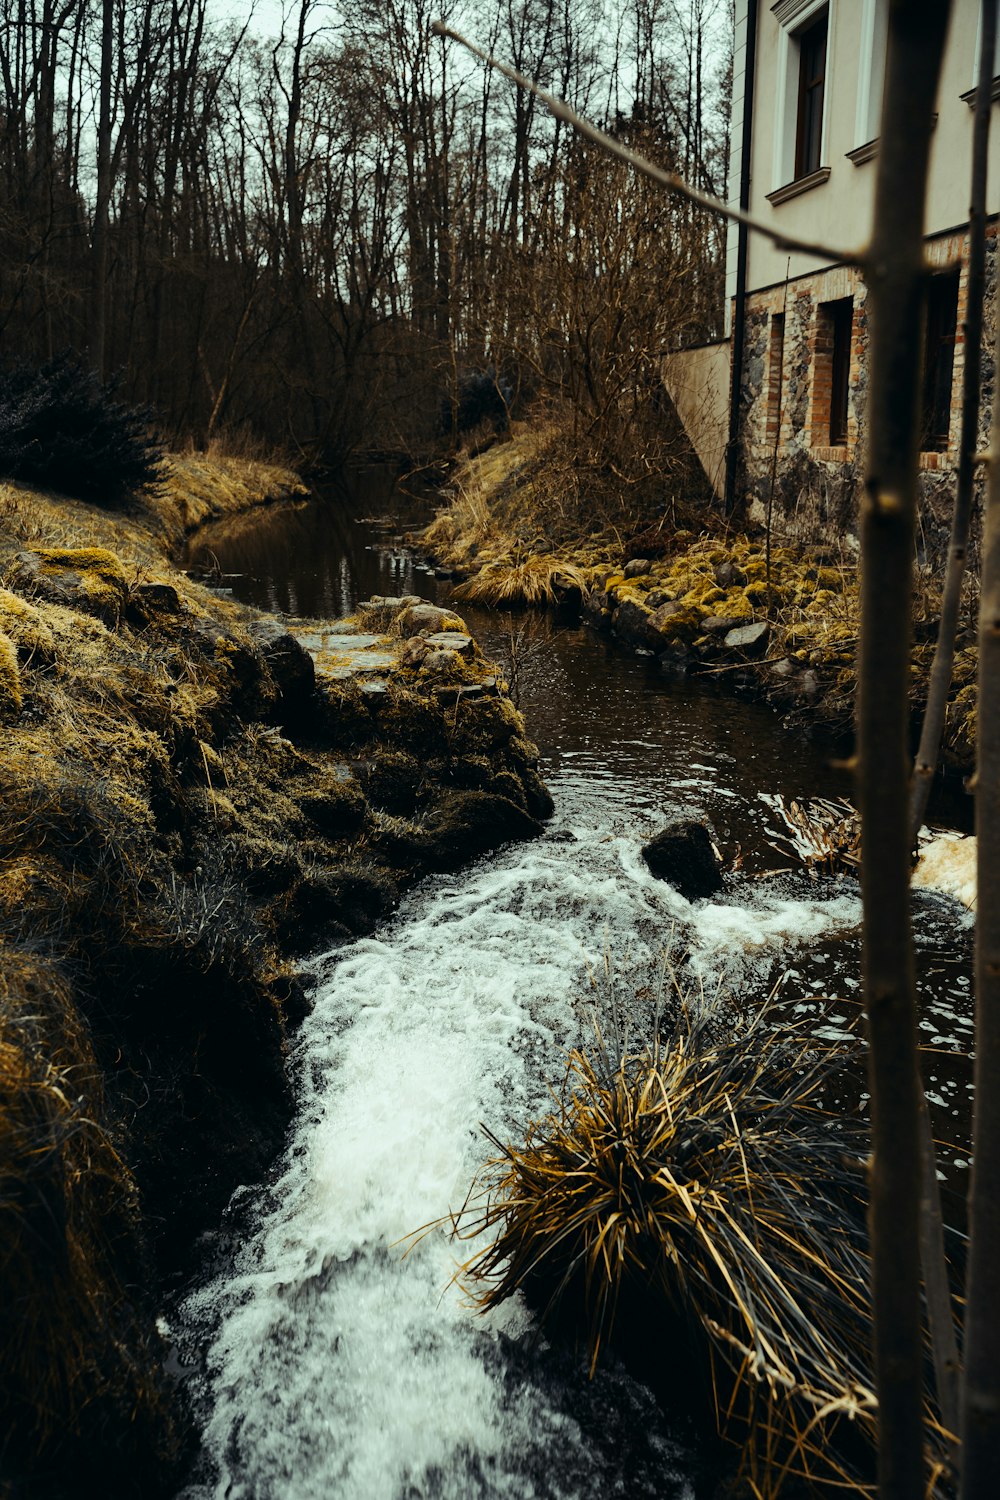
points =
(682, 854)
(748, 638)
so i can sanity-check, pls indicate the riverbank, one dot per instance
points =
(779, 621)
(193, 792)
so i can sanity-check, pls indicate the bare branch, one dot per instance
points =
(669, 180)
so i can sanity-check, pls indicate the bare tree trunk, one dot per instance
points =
(99, 255)
(981, 1375)
(895, 271)
(944, 653)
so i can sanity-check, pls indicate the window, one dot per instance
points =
(812, 81)
(775, 361)
(832, 372)
(805, 44)
(939, 360)
(842, 321)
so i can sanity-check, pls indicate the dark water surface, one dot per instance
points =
(323, 1364)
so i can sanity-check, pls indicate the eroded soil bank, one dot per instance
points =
(192, 793)
(673, 581)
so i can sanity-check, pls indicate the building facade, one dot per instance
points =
(807, 96)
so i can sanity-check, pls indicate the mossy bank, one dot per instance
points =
(192, 794)
(675, 583)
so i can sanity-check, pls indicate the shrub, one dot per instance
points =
(483, 396)
(60, 428)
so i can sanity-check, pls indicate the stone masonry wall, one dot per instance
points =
(785, 402)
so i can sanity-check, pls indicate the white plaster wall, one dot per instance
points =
(838, 211)
(735, 148)
(697, 381)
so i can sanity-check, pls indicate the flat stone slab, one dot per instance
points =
(330, 638)
(449, 640)
(340, 664)
(390, 602)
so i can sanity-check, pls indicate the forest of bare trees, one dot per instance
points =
(314, 234)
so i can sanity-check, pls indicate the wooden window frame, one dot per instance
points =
(812, 43)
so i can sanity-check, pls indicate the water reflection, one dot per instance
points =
(321, 556)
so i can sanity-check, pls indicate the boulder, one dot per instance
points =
(463, 825)
(728, 575)
(595, 604)
(151, 601)
(682, 854)
(665, 612)
(290, 665)
(437, 663)
(89, 579)
(675, 659)
(631, 623)
(719, 623)
(748, 638)
(637, 567)
(414, 652)
(426, 619)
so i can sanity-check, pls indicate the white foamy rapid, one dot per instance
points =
(338, 1365)
(947, 864)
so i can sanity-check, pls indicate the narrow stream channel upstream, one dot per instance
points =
(330, 1356)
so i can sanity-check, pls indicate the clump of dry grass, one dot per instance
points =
(704, 1182)
(535, 580)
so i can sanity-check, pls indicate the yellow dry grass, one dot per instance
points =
(110, 739)
(702, 1184)
(198, 487)
(536, 580)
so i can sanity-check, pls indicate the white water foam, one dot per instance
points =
(947, 864)
(338, 1365)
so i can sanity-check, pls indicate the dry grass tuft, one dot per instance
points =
(704, 1184)
(536, 580)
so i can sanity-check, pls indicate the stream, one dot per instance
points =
(328, 1352)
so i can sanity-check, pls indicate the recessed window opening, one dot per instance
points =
(939, 360)
(812, 85)
(776, 359)
(831, 374)
(841, 321)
